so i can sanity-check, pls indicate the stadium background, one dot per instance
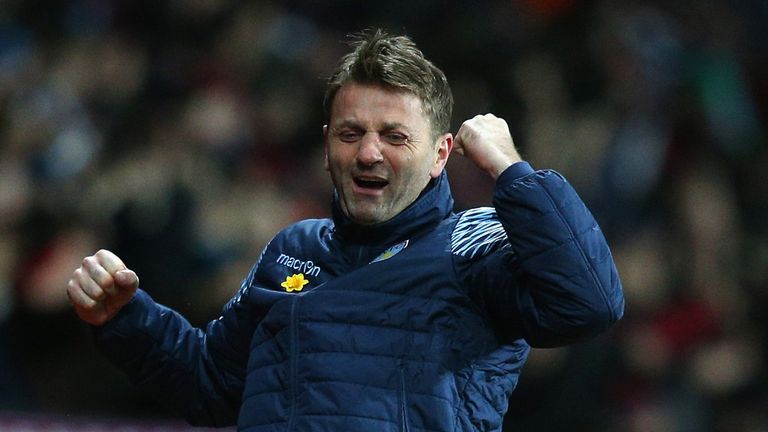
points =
(183, 133)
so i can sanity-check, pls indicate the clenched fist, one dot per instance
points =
(100, 287)
(486, 141)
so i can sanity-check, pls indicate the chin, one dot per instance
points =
(365, 220)
(364, 216)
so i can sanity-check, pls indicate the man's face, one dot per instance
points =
(380, 151)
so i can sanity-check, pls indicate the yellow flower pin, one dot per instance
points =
(294, 282)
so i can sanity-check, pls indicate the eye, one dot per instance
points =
(348, 135)
(395, 138)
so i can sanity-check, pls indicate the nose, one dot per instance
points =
(369, 152)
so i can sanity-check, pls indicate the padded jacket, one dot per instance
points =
(422, 323)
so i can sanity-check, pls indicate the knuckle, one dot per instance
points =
(99, 295)
(89, 261)
(106, 282)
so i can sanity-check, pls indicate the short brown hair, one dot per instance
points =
(394, 62)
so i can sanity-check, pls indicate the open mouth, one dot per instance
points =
(370, 183)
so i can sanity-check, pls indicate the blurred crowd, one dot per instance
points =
(182, 134)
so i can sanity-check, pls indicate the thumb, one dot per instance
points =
(126, 279)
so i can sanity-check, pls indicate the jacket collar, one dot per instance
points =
(431, 207)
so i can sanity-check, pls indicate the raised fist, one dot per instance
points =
(100, 287)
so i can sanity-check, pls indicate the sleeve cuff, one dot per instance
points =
(514, 172)
(130, 309)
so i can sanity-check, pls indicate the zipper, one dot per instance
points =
(293, 365)
(403, 400)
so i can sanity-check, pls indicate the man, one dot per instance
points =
(396, 314)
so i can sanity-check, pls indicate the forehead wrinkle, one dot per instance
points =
(378, 106)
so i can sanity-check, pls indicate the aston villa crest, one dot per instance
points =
(390, 252)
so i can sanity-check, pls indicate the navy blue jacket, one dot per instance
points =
(421, 323)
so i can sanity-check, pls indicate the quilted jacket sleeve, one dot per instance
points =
(198, 373)
(552, 280)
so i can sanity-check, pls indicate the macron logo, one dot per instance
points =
(307, 267)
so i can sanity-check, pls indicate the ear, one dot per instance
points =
(325, 147)
(444, 147)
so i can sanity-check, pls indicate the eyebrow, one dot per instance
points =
(346, 123)
(356, 124)
(395, 125)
